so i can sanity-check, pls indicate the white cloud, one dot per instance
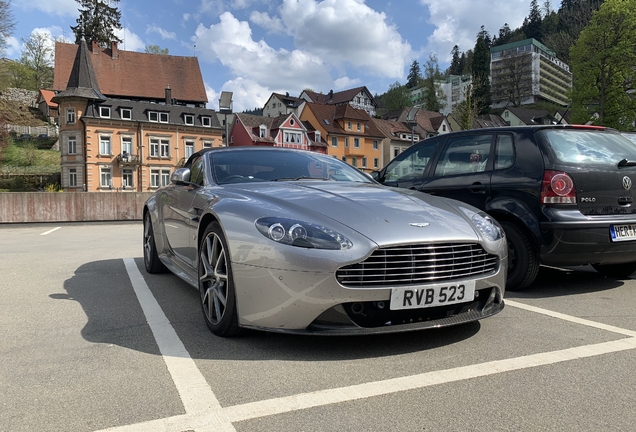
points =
(153, 28)
(347, 32)
(346, 83)
(247, 94)
(230, 42)
(271, 24)
(57, 7)
(213, 97)
(13, 49)
(130, 41)
(459, 21)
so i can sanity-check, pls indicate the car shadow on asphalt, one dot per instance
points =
(114, 316)
(567, 281)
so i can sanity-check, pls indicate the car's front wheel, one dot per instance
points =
(620, 271)
(523, 262)
(216, 283)
(151, 259)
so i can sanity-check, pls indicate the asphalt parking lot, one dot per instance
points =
(91, 342)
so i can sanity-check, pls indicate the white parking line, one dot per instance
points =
(50, 231)
(204, 413)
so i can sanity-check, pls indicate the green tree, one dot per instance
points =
(434, 96)
(481, 72)
(532, 23)
(155, 49)
(414, 76)
(20, 75)
(37, 56)
(7, 23)
(397, 97)
(97, 22)
(603, 60)
(455, 65)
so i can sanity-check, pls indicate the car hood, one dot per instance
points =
(384, 215)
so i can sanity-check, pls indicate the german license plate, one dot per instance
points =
(623, 232)
(432, 295)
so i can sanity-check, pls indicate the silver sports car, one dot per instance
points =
(295, 241)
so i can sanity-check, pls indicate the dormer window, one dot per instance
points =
(263, 131)
(104, 112)
(125, 113)
(206, 121)
(153, 116)
(317, 136)
(188, 119)
(163, 117)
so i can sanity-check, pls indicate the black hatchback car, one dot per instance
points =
(563, 194)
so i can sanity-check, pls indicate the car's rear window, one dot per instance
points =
(589, 147)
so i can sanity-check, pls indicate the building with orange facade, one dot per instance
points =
(128, 119)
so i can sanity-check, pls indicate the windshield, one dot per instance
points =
(257, 165)
(571, 146)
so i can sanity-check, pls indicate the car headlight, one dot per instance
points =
(302, 234)
(487, 226)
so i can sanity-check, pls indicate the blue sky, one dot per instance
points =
(255, 47)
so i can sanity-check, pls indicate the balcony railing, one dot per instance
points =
(128, 159)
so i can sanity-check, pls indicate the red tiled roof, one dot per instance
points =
(135, 74)
(324, 112)
(47, 95)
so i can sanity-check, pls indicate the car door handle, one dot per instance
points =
(477, 188)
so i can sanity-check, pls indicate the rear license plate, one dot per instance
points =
(623, 232)
(432, 295)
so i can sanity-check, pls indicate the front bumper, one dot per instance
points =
(315, 303)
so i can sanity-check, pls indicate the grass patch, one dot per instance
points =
(26, 154)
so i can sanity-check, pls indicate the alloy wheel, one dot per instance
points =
(213, 279)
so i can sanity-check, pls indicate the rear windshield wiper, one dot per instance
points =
(625, 162)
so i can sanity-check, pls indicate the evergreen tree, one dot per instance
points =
(455, 66)
(532, 23)
(505, 34)
(603, 76)
(481, 72)
(396, 98)
(413, 79)
(97, 22)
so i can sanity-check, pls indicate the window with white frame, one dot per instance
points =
(358, 126)
(104, 112)
(364, 162)
(153, 116)
(154, 178)
(375, 144)
(154, 147)
(164, 148)
(126, 146)
(188, 119)
(189, 149)
(105, 175)
(376, 163)
(125, 113)
(163, 117)
(127, 178)
(317, 136)
(165, 177)
(334, 141)
(208, 144)
(262, 131)
(72, 177)
(104, 145)
(70, 115)
(356, 142)
(72, 144)
(349, 125)
(293, 137)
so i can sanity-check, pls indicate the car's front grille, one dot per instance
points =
(418, 264)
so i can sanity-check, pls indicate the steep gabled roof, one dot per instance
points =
(288, 100)
(392, 129)
(47, 95)
(529, 116)
(130, 74)
(338, 98)
(324, 112)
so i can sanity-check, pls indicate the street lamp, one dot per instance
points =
(225, 107)
(412, 122)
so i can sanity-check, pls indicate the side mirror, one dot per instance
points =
(375, 175)
(182, 175)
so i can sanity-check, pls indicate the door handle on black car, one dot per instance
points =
(477, 188)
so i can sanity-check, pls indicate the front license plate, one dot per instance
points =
(623, 232)
(432, 295)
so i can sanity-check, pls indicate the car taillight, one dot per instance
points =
(557, 188)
